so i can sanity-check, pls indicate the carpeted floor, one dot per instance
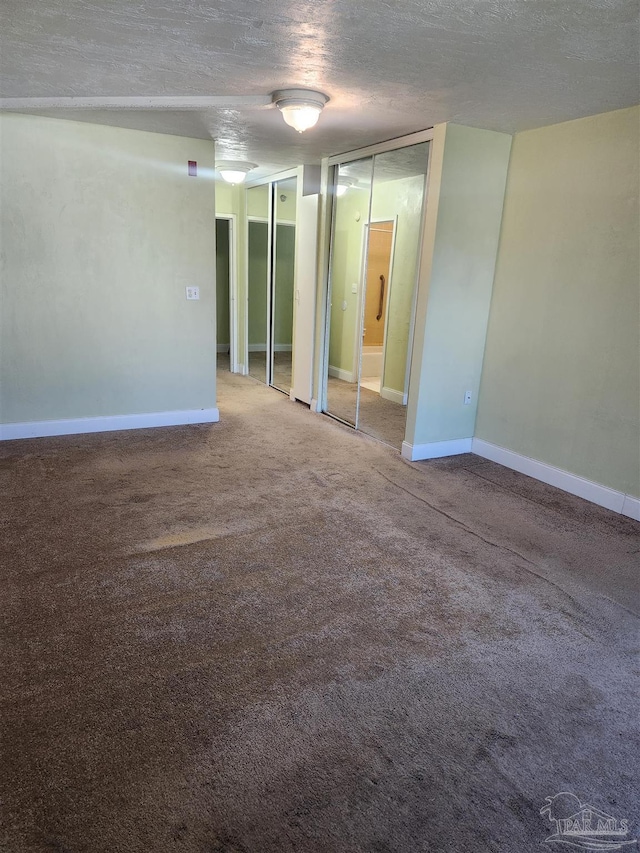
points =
(258, 368)
(378, 417)
(272, 634)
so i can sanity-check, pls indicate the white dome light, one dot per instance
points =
(342, 186)
(300, 108)
(234, 171)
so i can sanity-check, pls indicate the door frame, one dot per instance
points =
(232, 219)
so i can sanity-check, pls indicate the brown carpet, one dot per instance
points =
(272, 634)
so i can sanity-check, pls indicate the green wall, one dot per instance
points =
(101, 231)
(257, 282)
(283, 285)
(258, 201)
(462, 226)
(561, 381)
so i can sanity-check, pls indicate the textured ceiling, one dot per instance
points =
(389, 66)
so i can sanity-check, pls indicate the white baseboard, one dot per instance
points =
(339, 373)
(572, 483)
(276, 348)
(435, 449)
(77, 426)
(222, 348)
(393, 395)
(631, 507)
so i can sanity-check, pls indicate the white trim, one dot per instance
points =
(595, 492)
(222, 348)
(137, 102)
(382, 147)
(78, 426)
(436, 449)
(272, 178)
(339, 373)
(276, 347)
(393, 395)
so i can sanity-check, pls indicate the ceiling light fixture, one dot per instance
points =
(234, 171)
(300, 108)
(342, 186)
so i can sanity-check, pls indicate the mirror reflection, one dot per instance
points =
(284, 207)
(374, 256)
(350, 214)
(389, 280)
(258, 279)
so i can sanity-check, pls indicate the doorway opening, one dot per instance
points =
(225, 292)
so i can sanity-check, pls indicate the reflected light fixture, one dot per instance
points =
(234, 171)
(300, 108)
(342, 186)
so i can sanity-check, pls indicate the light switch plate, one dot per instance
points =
(193, 292)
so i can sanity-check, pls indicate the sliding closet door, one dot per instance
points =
(389, 285)
(346, 274)
(284, 237)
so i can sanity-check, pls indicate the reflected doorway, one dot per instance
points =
(377, 284)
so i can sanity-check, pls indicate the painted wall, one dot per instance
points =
(258, 255)
(561, 374)
(258, 201)
(462, 227)
(101, 230)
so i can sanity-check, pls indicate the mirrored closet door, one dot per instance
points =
(271, 242)
(258, 280)
(376, 234)
(282, 291)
